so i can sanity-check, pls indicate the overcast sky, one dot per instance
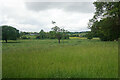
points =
(33, 16)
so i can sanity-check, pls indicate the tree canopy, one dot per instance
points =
(9, 33)
(106, 21)
(59, 33)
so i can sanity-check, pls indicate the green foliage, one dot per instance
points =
(60, 33)
(89, 35)
(52, 35)
(107, 28)
(56, 29)
(65, 36)
(25, 37)
(109, 31)
(74, 35)
(9, 33)
(56, 33)
(42, 34)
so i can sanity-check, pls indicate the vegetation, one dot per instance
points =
(53, 34)
(38, 54)
(59, 33)
(107, 28)
(73, 58)
(89, 35)
(9, 33)
(42, 35)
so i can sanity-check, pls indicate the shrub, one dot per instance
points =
(24, 37)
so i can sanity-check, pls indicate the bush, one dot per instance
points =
(89, 36)
(65, 37)
(106, 38)
(37, 37)
(24, 37)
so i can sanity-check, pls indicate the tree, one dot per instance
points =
(106, 21)
(58, 33)
(52, 35)
(89, 35)
(59, 36)
(56, 29)
(42, 34)
(9, 33)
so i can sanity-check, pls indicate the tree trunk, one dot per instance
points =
(59, 41)
(6, 40)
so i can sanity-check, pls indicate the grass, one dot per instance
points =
(74, 58)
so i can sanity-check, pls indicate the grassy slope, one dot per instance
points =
(76, 58)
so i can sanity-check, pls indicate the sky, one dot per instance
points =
(32, 16)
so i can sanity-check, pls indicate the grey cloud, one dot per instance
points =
(21, 17)
(83, 7)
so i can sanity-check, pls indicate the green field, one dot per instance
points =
(74, 58)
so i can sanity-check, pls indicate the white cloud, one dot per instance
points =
(16, 13)
(83, 7)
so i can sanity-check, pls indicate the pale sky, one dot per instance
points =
(33, 16)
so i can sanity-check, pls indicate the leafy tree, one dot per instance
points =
(56, 29)
(52, 34)
(59, 33)
(106, 21)
(37, 37)
(59, 36)
(89, 35)
(9, 33)
(42, 34)
(65, 34)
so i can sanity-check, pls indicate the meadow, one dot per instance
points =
(73, 58)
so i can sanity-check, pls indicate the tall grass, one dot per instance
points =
(75, 58)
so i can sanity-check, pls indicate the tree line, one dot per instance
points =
(105, 23)
(11, 33)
